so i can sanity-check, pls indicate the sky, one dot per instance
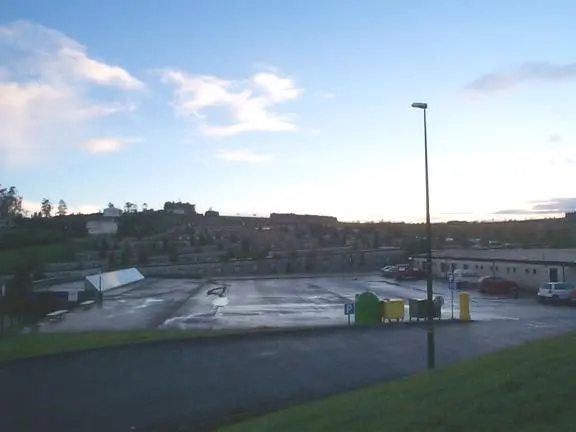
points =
(253, 107)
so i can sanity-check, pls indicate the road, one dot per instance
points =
(163, 386)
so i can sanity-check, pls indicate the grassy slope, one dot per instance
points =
(33, 345)
(527, 388)
(43, 253)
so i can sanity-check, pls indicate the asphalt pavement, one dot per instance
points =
(161, 387)
(273, 302)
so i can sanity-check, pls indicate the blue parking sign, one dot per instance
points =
(348, 308)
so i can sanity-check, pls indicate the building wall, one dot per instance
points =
(102, 227)
(526, 275)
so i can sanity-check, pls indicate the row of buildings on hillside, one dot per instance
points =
(106, 223)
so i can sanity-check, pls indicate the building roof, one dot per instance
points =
(534, 256)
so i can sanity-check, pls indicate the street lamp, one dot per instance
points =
(430, 340)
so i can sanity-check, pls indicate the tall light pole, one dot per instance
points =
(429, 293)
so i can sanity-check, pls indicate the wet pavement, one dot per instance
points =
(287, 302)
(202, 383)
(141, 306)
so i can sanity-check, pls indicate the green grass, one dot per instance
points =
(10, 259)
(523, 389)
(34, 345)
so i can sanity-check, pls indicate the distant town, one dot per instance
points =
(53, 243)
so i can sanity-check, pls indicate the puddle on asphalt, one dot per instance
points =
(220, 302)
(148, 302)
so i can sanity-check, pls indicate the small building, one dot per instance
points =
(211, 213)
(106, 223)
(526, 267)
(180, 208)
(64, 295)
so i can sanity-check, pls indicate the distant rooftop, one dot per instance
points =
(558, 255)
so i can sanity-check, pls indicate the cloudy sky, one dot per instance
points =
(300, 106)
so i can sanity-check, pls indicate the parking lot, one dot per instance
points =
(270, 302)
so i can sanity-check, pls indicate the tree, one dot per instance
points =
(173, 253)
(62, 208)
(46, 208)
(112, 260)
(17, 294)
(145, 207)
(245, 246)
(376, 241)
(143, 257)
(130, 207)
(10, 202)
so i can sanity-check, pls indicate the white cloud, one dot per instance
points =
(277, 88)
(529, 71)
(328, 95)
(247, 104)
(242, 155)
(101, 109)
(44, 85)
(317, 132)
(49, 53)
(107, 144)
(555, 138)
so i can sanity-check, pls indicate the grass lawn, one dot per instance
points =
(9, 259)
(523, 389)
(33, 345)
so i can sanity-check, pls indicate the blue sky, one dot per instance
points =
(257, 106)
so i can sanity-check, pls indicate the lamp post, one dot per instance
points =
(430, 334)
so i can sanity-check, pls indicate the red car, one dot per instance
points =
(406, 271)
(497, 285)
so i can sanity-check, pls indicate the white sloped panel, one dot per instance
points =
(115, 279)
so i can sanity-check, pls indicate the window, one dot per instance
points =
(496, 268)
(481, 267)
(513, 269)
(465, 266)
(534, 271)
(476, 265)
(507, 269)
(527, 271)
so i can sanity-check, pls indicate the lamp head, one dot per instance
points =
(420, 105)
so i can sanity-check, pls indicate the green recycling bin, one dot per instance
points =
(367, 309)
(418, 308)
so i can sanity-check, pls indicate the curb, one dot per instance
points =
(240, 335)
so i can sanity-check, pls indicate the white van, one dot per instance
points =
(465, 277)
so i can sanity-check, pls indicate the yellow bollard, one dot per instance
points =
(464, 306)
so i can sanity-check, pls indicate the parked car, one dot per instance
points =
(497, 285)
(388, 271)
(556, 292)
(572, 300)
(465, 278)
(407, 271)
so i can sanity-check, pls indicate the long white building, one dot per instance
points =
(527, 267)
